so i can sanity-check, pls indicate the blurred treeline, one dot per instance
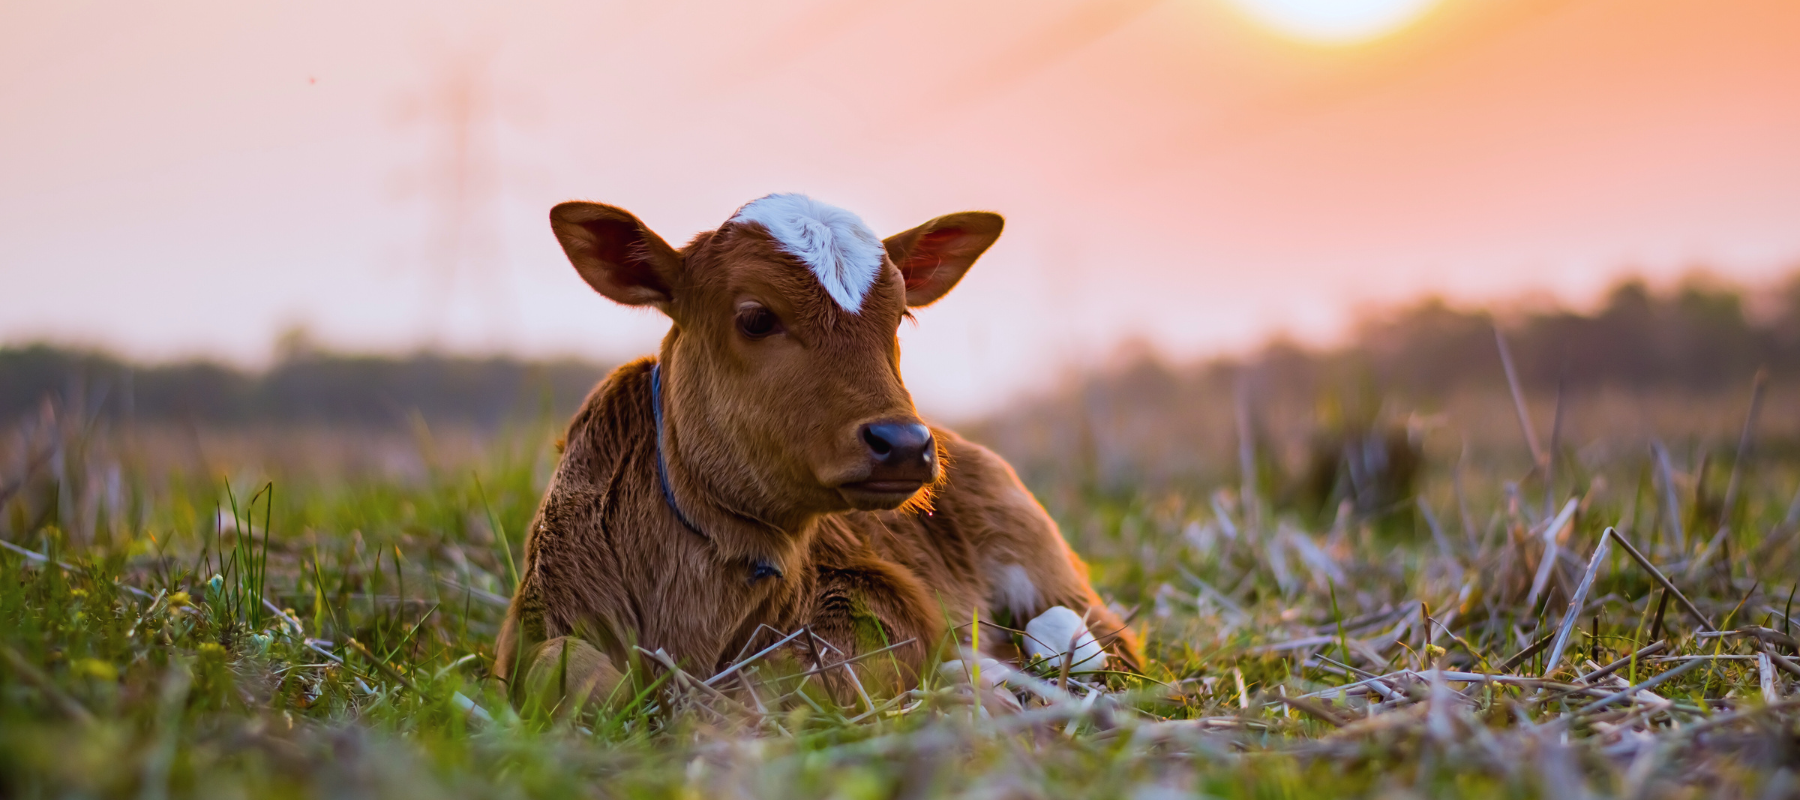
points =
(1700, 337)
(1674, 362)
(1424, 384)
(306, 386)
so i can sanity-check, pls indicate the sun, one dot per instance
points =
(1335, 21)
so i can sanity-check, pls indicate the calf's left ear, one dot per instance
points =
(934, 256)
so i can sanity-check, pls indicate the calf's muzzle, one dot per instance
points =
(902, 456)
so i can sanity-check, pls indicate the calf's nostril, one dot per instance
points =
(877, 444)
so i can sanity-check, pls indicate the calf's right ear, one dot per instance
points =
(615, 253)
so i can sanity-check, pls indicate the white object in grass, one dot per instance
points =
(1048, 637)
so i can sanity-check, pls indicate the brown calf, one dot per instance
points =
(767, 467)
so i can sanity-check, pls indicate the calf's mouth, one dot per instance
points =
(900, 459)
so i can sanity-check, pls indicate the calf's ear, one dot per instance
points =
(615, 253)
(934, 256)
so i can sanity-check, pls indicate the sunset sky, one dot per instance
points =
(193, 178)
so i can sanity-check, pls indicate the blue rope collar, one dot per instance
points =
(762, 569)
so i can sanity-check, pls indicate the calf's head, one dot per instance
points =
(781, 372)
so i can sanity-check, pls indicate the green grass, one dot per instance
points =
(140, 661)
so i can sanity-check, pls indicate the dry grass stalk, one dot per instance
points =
(1686, 604)
(1644, 686)
(729, 671)
(1518, 396)
(1641, 653)
(1520, 657)
(391, 673)
(687, 681)
(1735, 717)
(1547, 562)
(1784, 663)
(1771, 685)
(1314, 709)
(1576, 602)
(1672, 506)
(1745, 440)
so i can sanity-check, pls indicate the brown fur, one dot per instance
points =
(764, 457)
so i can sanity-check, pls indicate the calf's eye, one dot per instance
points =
(756, 322)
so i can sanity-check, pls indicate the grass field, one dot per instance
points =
(1443, 643)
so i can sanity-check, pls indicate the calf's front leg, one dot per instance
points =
(870, 605)
(565, 675)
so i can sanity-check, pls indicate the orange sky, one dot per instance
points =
(191, 178)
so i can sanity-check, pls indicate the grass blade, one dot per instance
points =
(1576, 603)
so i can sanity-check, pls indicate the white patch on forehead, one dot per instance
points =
(832, 242)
